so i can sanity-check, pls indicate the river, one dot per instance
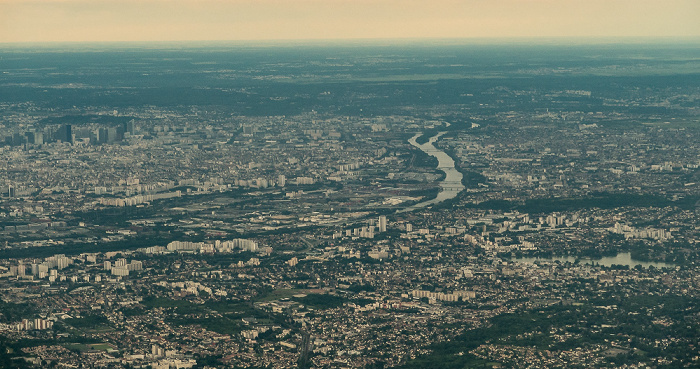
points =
(623, 258)
(452, 185)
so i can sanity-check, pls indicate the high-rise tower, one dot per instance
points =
(382, 223)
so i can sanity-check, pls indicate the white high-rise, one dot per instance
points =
(382, 223)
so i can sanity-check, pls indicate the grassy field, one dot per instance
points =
(102, 346)
(280, 294)
(84, 347)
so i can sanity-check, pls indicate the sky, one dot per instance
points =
(193, 20)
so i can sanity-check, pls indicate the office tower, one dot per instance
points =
(382, 223)
(121, 129)
(111, 134)
(18, 139)
(131, 127)
(65, 133)
(281, 180)
(102, 135)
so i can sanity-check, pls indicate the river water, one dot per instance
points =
(624, 258)
(452, 185)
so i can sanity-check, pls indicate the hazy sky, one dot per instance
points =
(170, 20)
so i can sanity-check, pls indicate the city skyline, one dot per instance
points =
(408, 204)
(190, 20)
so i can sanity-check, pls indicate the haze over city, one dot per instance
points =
(186, 20)
(350, 184)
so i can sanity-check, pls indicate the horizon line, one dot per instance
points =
(583, 40)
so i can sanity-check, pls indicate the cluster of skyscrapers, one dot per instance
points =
(66, 133)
